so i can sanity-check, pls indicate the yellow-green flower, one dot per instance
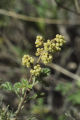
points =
(39, 41)
(36, 71)
(58, 42)
(45, 51)
(49, 46)
(39, 51)
(27, 60)
(46, 57)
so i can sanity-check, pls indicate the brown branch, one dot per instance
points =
(64, 71)
(35, 19)
(77, 6)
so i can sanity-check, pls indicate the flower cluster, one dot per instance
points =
(39, 51)
(49, 47)
(27, 60)
(54, 44)
(36, 71)
(45, 51)
(39, 41)
(58, 41)
(46, 57)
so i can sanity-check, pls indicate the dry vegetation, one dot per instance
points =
(58, 96)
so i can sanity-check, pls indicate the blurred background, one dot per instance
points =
(20, 22)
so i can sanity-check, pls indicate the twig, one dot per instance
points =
(30, 80)
(64, 71)
(23, 99)
(77, 6)
(20, 104)
(35, 19)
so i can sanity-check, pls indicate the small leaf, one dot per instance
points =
(63, 87)
(7, 86)
(45, 71)
(75, 97)
(34, 96)
(30, 86)
(24, 82)
(17, 87)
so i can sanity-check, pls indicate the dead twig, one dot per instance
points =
(64, 71)
(77, 6)
(35, 19)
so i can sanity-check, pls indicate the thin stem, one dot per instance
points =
(35, 19)
(30, 79)
(20, 104)
(39, 59)
(23, 99)
(77, 6)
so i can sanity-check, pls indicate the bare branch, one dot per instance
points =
(36, 19)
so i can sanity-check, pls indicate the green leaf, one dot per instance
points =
(17, 87)
(63, 87)
(7, 86)
(30, 86)
(78, 83)
(24, 82)
(75, 97)
(40, 101)
(34, 96)
(45, 71)
(22, 86)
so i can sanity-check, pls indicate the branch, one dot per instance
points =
(35, 19)
(20, 104)
(64, 71)
(77, 6)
